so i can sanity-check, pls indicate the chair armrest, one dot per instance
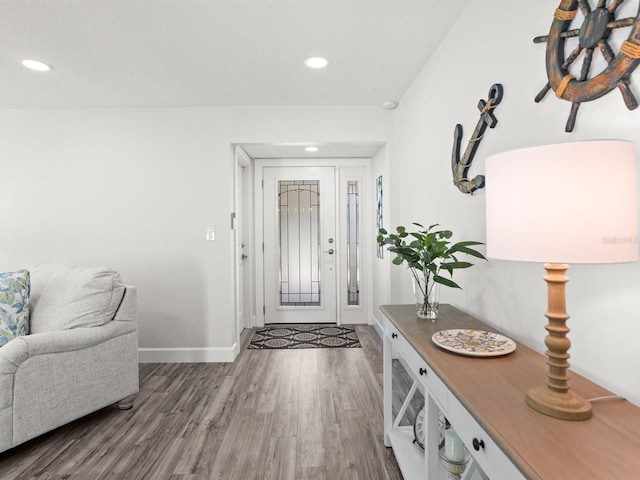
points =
(20, 349)
(13, 354)
(75, 338)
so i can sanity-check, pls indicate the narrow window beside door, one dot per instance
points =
(353, 244)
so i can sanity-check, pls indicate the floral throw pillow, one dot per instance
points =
(15, 288)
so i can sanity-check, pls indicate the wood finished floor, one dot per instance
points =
(272, 414)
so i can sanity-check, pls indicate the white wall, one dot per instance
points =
(380, 267)
(492, 43)
(134, 189)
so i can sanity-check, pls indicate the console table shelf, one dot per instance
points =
(407, 453)
(485, 397)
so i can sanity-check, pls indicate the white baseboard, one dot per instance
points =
(188, 355)
(378, 327)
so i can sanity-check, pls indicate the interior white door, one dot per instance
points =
(246, 260)
(299, 245)
(240, 247)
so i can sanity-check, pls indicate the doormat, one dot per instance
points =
(307, 336)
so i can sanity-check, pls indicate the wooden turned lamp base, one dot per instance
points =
(566, 406)
(554, 398)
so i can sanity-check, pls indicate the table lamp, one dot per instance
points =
(559, 204)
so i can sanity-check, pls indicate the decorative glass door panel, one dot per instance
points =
(299, 245)
(299, 215)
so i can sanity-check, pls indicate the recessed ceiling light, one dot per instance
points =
(36, 65)
(311, 149)
(316, 62)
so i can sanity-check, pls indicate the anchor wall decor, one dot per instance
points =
(460, 166)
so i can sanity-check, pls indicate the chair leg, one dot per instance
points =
(126, 403)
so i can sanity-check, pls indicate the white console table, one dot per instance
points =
(484, 400)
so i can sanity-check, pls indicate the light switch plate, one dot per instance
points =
(211, 234)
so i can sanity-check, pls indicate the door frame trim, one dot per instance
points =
(241, 160)
(259, 164)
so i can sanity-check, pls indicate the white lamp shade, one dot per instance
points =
(565, 203)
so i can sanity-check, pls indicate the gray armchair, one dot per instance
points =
(64, 369)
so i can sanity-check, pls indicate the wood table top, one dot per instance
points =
(493, 390)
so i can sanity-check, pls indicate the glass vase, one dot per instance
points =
(427, 295)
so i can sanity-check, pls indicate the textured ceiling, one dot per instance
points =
(151, 53)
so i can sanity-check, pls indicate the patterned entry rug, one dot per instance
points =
(306, 336)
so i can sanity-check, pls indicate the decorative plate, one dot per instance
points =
(474, 343)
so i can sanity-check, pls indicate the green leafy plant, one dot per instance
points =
(429, 253)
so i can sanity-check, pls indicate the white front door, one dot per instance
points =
(299, 245)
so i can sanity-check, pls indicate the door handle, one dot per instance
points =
(330, 251)
(244, 257)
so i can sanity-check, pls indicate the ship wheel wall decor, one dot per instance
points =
(592, 35)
